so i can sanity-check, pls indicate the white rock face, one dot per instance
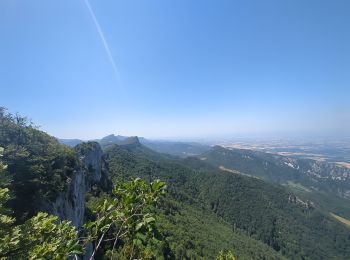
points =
(70, 204)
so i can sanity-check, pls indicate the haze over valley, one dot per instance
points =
(175, 130)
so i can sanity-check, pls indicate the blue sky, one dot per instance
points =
(180, 68)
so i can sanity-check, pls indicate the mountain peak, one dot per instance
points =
(130, 140)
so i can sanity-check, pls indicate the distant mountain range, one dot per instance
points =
(243, 189)
(307, 173)
(181, 149)
(257, 204)
(109, 139)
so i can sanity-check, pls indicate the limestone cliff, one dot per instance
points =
(70, 204)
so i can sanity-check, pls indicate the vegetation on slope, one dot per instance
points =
(265, 212)
(40, 237)
(313, 175)
(38, 165)
(196, 233)
(122, 227)
(278, 169)
(206, 209)
(38, 168)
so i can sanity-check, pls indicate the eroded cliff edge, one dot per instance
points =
(91, 169)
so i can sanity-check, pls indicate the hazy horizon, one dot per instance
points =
(178, 70)
(214, 139)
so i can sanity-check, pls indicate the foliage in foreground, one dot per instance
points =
(125, 223)
(259, 209)
(40, 237)
(123, 227)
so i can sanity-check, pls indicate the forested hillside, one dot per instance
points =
(39, 166)
(314, 175)
(201, 211)
(322, 183)
(39, 174)
(265, 212)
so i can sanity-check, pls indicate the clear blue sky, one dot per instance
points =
(180, 68)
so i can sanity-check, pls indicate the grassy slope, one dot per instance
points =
(345, 221)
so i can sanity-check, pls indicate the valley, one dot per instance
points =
(322, 149)
(175, 130)
(255, 204)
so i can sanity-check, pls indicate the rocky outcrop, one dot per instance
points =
(308, 204)
(70, 204)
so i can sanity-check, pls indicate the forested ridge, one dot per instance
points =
(261, 210)
(314, 175)
(153, 206)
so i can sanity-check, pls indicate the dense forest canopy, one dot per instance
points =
(264, 212)
(201, 212)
